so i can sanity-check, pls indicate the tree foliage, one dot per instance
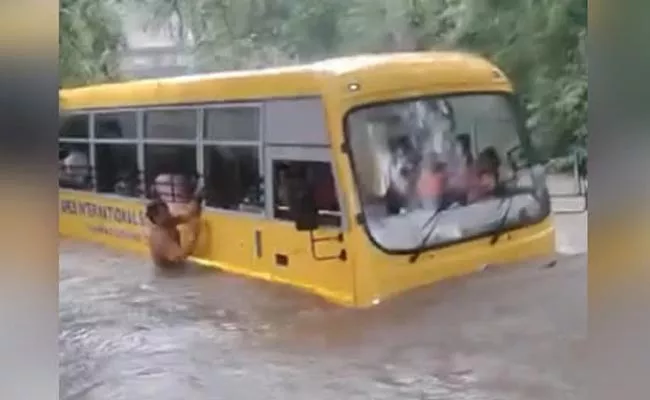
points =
(539, 43)
(90, 41)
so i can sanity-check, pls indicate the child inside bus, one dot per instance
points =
(400, 174)
(129, 183)
(432, 182)
(484, 180)
(459, 168)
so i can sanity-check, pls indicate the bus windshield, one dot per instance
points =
(437, 170)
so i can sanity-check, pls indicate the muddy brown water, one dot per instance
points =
(129, 333)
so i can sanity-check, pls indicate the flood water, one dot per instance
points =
(505, 334)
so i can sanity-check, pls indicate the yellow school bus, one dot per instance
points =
(355, 179)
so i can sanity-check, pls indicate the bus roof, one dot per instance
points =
(378, 72)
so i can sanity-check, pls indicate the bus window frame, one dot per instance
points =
(336, 214)
(200, 143)
(234, 105)
(138, 123)
(525, 142)
(146, 138)
(323, 154)
(67, 114)
(87, 141)
(137, 141)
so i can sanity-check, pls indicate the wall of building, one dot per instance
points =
(153, 51)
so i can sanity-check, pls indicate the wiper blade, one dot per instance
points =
(422, 246)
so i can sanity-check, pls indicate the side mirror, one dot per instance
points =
(302, 205)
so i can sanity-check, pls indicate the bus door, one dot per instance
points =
(318, 258)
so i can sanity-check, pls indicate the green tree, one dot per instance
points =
(90, 41)
(541, 46)
(538, 43)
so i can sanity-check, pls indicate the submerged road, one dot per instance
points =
(504, 334)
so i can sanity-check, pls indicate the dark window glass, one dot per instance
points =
(232, 123)
(74, 166)
(171, 124)
(232, 178)
(120, 125)
(116, 169)
(74, 126)
(170, 171)
(320, 180)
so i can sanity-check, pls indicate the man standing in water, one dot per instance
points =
(165, 246)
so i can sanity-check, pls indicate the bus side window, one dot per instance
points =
(74, 166)
(117, 125)
(321, 179)
(232, 173)
(75, 171)
(116, 169)
(170, 171)
(74, 126)
(116, 164)
(232, 178)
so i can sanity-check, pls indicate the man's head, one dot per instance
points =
(488, 161)
(158, 212)
(463, 146)
(173, 188)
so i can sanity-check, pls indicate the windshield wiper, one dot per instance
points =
(422, 246)
(495, 238)
(508, 195)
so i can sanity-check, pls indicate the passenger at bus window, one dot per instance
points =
(397, 195)
(431, 183)
(172, 188)
(165, 245)
(129, 184)
(75, 170)
(461, 160)
(249, 196)
(254, 197)
(459, 169)
(400, 171)
(484, 180)
(439, 127)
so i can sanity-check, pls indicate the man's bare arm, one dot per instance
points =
(183, 219)
(193, 212)
(180, 253)
(166, 248)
